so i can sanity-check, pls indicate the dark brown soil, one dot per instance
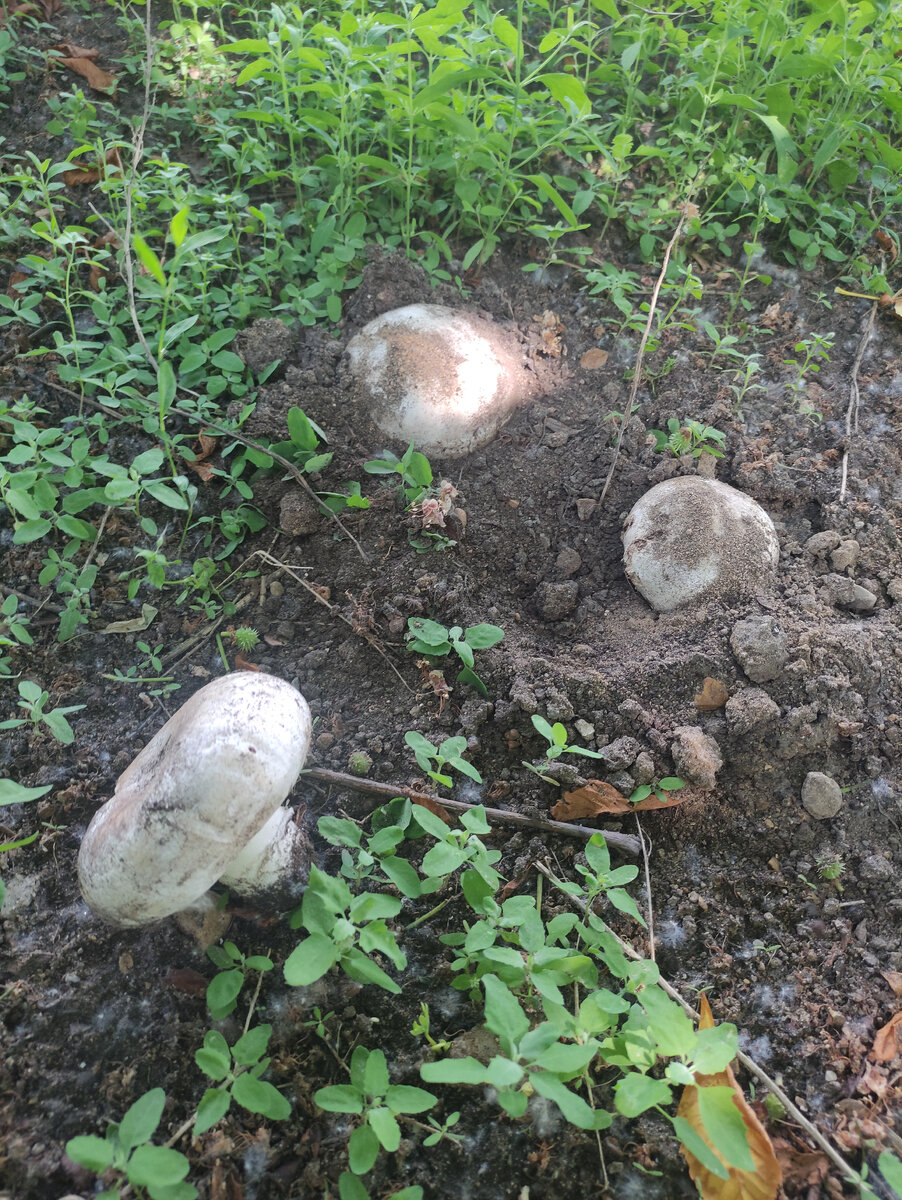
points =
(93, 1017)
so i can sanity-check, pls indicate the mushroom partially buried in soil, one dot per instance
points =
(201, 803)
(444, 378)
(692, 539)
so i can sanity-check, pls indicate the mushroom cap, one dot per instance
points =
(690, 539)
(194, 798)
(444, 378)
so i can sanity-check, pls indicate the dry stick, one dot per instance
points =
(855, 396)
(634, 389)
(11, 591)
(750, 1065)
(387, 791)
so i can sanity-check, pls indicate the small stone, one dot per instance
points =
(644, 768)
(761, 647)
(696, 756)
(325, 741)
(568, 562)
(750, 708)
(585, 507)
(557, 600)
(821, 796)
(863, 599)
(298, 514)
(620, 754)
(845, 555)
(820, 544)
(584, 729)
(876, 867)
(894, 590)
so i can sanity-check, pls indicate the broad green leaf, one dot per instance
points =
(356, 965)
(251, 1046)
(95, 1153)
(567, 1059)
(401, 1098)
(672, 1029)
(258, 1096)
(889, 1167)
(454, 1070)
(481, 637)
(503, 1013)
(698, 1148)
(375, 1075)
(15, 793)
(310, 960)
(223, 990)
(385, 1127)
(574, 1108)
(341, 1098)
(350, 1187)
(503, 1072)
(567, 89)
(149, 260)
(214, 1105)
(715, 1048)
(363, 1149)
(178, 227)
(724, 1126)
(550, 192)
(156, 1165)
(31, 531)
(140, 1122)
(635, 1093)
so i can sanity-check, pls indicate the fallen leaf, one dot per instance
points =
(202, 469)
(25, 8)
(82, 172)
(593, 359)
(887, 1040)
(713, 695)
(72, 51)
(243, 664)
(434, 807)
(597, 797)
(764, 1181)
(15, 278)
(585, 506)
(801, 1168)
(100, 81)
(894, 979)
(135, 624)
(187, 980)
(887, 244)
(223, 1186)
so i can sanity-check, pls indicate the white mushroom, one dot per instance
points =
(201, 803)
(690, 539)
(443, 378)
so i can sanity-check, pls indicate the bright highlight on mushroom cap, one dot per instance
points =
(195, 797)
(443, 378)
(690, 539)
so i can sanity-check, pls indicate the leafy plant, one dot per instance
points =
(13, 631)
(379, 855)
(420, 1028)
(436, 641)
(127, 1153)
(14, 793)
(413, 469)
(225, 987)
(556, 736)
(236, 1071)
(814, 351)
(432, 759)
(33, 700)
(660, 789)
(689, 437)
(378, 1102)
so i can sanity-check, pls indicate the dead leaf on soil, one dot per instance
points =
(244, 664)
(713, 695)
(801, 1168)
(894, 979)
(223, 1186)
(82, 172)
(763, 1182)
(888, 1040)
(596, 798)
(100, 81)
(135, 624)
(434, 807)
(72, 51)
(887, 244)
(187, 980)
(27, 8)
(594, 359)
(16, 277)
(206, 446)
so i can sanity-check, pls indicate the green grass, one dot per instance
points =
(281, 142)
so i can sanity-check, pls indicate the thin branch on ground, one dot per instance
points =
(39, 604)
(637, 375)
(855, 396)
(100, 529)
(646, 850)
(383, 792)
(750, 1065)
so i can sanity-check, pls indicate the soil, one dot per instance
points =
(92, 1017)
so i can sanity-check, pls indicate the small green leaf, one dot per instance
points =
(151, 1165)
(214, 1105)
(385, 1127)
(350, 1187)
(310, 960)
(15, 793)
(454, 1070)
(403, 1099)
(697, 1146)
(503, 1013)
(251, 1047)
(92, 1152)
(724, 1126)
(258, 1096)
(363, 1149)
(341, 1098)
(140, 1122)
(635, 1093)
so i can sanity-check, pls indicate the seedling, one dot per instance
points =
(556, 736)
(33, 701)
(432, 759)
(13, 631)
(224, 988)
(236, 1071)
(378, 856)
(831, 868)
(127, 1154)
(814, 351)
(420, 1028)
(437, 641)
(14, 793)
(413, 470)
(371, 1096)
(660, 789)
(689, 437)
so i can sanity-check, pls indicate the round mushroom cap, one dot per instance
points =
(194, 798)
(691, 539)
(443, 378)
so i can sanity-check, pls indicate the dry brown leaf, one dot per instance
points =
(713, 695)
(594, 359)
(100, 81)
(763, 1182)
(225, 1186)
(894, 979)
(82, 172)
(244, 664)
(597, 797)
(72, 51)
(434, 807)
(888, 1040)
(187, 980)
(887, 244)
(15, 278)
(802, 1168)
(25, 8)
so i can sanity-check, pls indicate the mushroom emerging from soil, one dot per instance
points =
(201, 803)
(443, 378)
(691, 539)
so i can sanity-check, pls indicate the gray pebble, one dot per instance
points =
(761, 647)
(557, 600)
(821, 796)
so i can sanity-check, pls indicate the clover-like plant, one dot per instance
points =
(127, 1154)
(556, 736)
(378, 1102)
(432, 759)
(236, 1071)
(223, 988)
(413, 470)
(359, 861)
(437, 641)
(689, 437)
(33, 700)
(660, 789)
